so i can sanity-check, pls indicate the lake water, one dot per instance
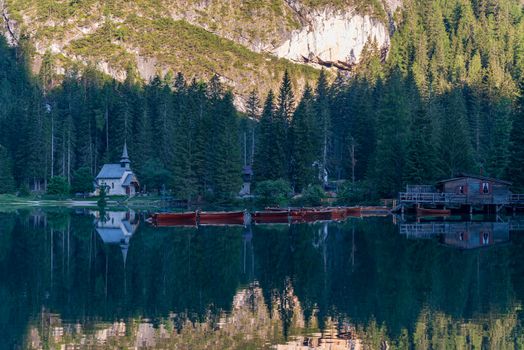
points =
(71, 280)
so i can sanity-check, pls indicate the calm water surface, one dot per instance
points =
(82, 280)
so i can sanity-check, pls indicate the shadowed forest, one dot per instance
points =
(446, 100)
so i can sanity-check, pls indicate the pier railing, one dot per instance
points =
(423, 230)
(516, 198)
(431, 198)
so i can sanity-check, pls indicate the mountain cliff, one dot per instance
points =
(248, 43)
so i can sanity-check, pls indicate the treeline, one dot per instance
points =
(181, 135)
(445, 101)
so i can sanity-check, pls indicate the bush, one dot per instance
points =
(154, 176)
(351, 194)
(312, 195)
(23, 191)
(102, 201)
(271, 192)
(82, 181)
(58, 186)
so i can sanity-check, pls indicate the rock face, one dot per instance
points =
(333, 38)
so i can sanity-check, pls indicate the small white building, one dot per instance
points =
(118, 179)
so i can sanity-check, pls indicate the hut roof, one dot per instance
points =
(480, 177)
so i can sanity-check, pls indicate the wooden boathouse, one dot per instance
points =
(466, 193)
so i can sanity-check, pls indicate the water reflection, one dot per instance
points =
(85, 279)
(116, 228)
(464, 235)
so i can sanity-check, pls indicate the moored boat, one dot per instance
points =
(174, 219)
(221, 218)
(270, 216)
(374, 211)
(353, 211)
(310, 214)
(337, 214)
(433, 212)
(276, 209)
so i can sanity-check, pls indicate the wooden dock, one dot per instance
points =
(465, 193)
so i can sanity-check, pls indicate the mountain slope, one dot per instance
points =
(242, 41)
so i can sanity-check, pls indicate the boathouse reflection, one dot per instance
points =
(462, 234)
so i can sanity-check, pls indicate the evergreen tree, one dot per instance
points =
(303, 148)
(7, 183)
(323, 122)
(454, 145)
(82, 181)
(498, 155)
(420, 153)
(392, 117)
(286, 100)
(226, 155)
(280, 124)
(515, 170)
(263, 152)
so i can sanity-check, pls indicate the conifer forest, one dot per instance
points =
(446, 99)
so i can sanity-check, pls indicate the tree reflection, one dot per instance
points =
(357, 281)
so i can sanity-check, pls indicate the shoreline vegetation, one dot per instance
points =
(448, 99)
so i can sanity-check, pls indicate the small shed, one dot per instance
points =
(478, 190)
(247, 177)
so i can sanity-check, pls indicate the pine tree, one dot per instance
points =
(454, 145)
(263, 153)
(303, 147)
(253, 106)
(286, 100)
(420, 153)
(226, 151)
(280, 124)
(393, 117)
(183, 174)
(253, 115)
(323, 122)
(341, 122)
(498, 155)
(515, 170)
(7, 183)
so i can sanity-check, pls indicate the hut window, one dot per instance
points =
(485, 187)
(461, 189)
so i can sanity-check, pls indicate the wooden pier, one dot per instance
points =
(466, 193)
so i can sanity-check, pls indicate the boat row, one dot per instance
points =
(266, 216)
(194, 218)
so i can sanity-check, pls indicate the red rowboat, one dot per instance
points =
(275, 209)
(338, 213)
(174, 219)
(310, 214)
(221, 218)
(374, 211)
(270, 216)
(433, 212)
(352, 211)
